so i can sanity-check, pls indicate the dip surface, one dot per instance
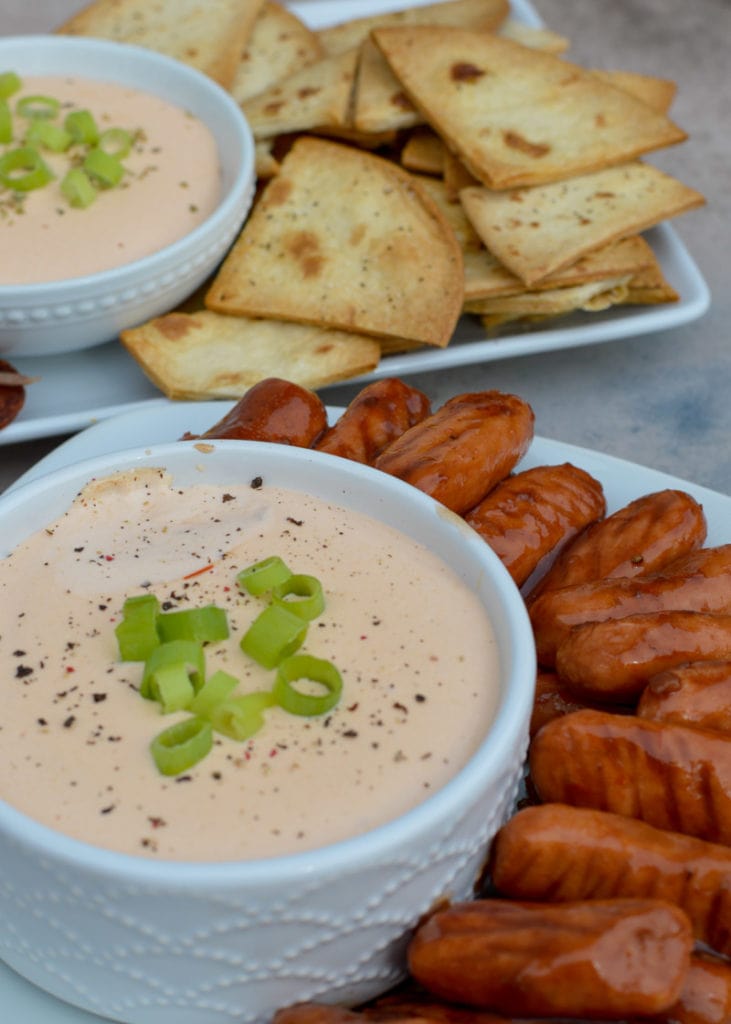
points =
(172, 183)
(414, 646)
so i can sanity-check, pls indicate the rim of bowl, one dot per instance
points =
(496, 749)
(227, 206)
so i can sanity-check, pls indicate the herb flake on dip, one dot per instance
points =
(171, 183)
(416, 652)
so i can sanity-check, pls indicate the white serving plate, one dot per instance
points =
(79, 389)
(166, 421)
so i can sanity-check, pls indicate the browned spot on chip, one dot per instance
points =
(357, 234)
(604, 195)
(274, 108)
(516, 141)
(308, 90)
(174, 325)
(401, 100)
(323, 349)
(279, 191)
(305, 248)
(464, 72)
(600, 120)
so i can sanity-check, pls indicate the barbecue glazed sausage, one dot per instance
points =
(528, 516)
(272, 410)
(674, 777)
(602, 958)
(701, 584)
(556, 852)
(706, 995)
(12, 396)
(613, 660)
(643, 537)
(554, 698)
(463, 450)
(698, 693)
(378, 414)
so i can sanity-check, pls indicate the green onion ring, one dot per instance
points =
(242, 717)
(36, 172)
(182, 745)
(6, 122)
(81, 126)
(262, 576)
(38, 106)
(106, 169)
(10, 83)
(171, 687)
(273, 635)
(308, 600)
(52, 136)
(214, 691)
(206, 625)
(136, 634)
(116, 142)
(76, 186)
(177, 652)
(307, 667)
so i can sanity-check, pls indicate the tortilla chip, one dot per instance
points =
(279, 45)
(517, 116)
(423, 152)
(345, 239)
(209, 36)
(657, 93)
(537, 231)
(204, 355)
(486, 15)
(315, 96)
(536, 38)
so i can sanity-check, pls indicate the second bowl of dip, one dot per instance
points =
(141, 247)
(148, 899)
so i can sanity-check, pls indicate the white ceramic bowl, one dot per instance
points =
(150, 942)
(62, 316)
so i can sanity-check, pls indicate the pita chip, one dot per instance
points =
(379, 101)
(536, 38)
(657, 93)
(204, 355)
(279, 45)
(207, 35)
(313, 97)
(345, 239)
(537, 231)
(485, 15)
(424, 152)
(515, 115)
(592, 297)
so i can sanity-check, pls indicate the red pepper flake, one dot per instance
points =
(364, 636)
(199, 572)
(273, 752)
(109, 558)
(156, 822)
(70, 668)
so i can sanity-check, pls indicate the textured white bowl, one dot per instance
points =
(63, 316)
(149, 942)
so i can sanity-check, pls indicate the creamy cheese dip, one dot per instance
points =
(414, 646)
(172, 183)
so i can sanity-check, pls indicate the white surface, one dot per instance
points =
(106, 381)
(622, 482)
(78, 313)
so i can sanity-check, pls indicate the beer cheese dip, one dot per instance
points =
(413, 644)
(172, 183)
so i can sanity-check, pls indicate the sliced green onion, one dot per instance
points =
(24, 170)
(38, 106)
(214, 691)
(116, 142)
(10, 83)
(182, 745)
(242, 717)
(51, 136)
(76, 186)
(178, 652)
(274, 634)
(301, 595)
(107, 170)
(305, 667)
(171, 687)
(6, 122)
(262, 576)
(137, 632)
(206, 625)
(81, 126)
